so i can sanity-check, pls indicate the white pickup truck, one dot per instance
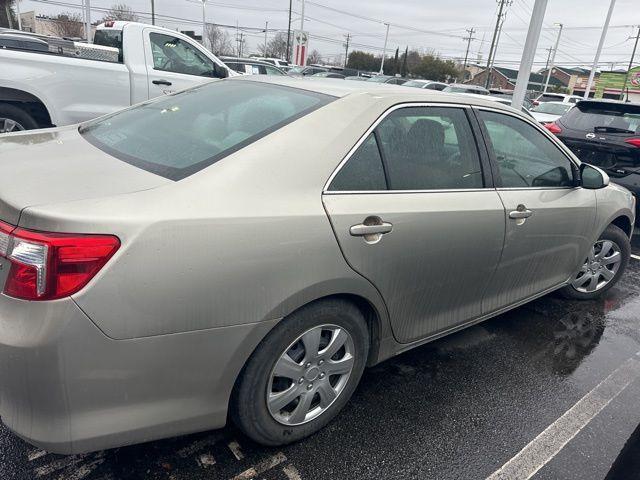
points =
(44, 84)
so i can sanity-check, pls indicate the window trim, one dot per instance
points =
(481, 148)
(554, 140)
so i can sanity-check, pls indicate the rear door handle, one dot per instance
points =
(161, 82)
(521, 212)
(361, 230)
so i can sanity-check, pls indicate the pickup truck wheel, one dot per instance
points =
(13, 119)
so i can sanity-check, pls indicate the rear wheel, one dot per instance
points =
(13, 119)
(603, 267)
(302, 374)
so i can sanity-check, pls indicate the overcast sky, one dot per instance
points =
(427, 25)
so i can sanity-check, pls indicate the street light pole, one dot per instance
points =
(18, 11)
(204, 24)
(529, 53)
(599, 51)
(633, 56)
(87, 20)
(302, 18)
(553, 59)
(384, 50)
(266, 29)
(153, 12)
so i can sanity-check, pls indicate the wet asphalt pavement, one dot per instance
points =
(458, 408)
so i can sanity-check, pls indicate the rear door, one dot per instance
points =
(414, 212)
(174, 64)
(548, 218)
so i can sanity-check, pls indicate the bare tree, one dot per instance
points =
(314, 57)
(68, 24)
(277, 46)
(120, 11)
(219, 40)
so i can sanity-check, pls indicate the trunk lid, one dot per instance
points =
(58, 165)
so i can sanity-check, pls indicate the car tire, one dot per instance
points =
(250, 409)
(23, 120)
(621, 241)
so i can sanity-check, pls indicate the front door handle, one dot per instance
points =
(371, 229)
(161, 82)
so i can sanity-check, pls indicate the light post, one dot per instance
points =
(599, 51)
(384, 50)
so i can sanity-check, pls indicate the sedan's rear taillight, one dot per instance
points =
(633, 141)
(46, 266)
(553, 128)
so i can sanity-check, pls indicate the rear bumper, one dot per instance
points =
(68, 388)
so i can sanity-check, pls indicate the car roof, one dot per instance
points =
(398, 93)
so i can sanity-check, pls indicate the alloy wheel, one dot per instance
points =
(310, 374)
(600, 267)
(8, 125)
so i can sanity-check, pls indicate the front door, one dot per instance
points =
(415, 214)
(548, 218)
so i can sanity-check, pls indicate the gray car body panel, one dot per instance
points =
(153, 345)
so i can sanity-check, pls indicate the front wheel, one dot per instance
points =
(605, 264)
(302, 374)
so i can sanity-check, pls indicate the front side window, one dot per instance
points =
(172, 54)
(525, 156)
(178, 135)
(430, 148)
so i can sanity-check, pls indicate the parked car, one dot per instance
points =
(605, 133)
(191, 259)
(503, 99)
(428, 84)
(299, 71)
(357, 78)
(548, 112)
(275, 61)
(388, 79)
(556, 97)
(251, 66)
(508, 94)
(328, 75)
(464, 88)
(128, 63)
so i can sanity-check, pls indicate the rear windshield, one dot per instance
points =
(550, 98)
(613, 118)
(553, 108)
(179, 135)
(109, 38)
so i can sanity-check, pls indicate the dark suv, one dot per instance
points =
(606, 134)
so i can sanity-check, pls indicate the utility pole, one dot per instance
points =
(529, 53)
(346, 50)
(87, 20)
(289, 34)
(302, 18)
(553, 59)
(18, 12)
(633, 56)
(599, 51)
(153, 12)
(266, 29)
(204, 25)
(466, 55)
(546, 65)
(384, 50)
(503, 4)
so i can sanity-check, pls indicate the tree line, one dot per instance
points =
(408, 63)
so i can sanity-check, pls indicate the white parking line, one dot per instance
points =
(35, 454)
(291, 472)
(262, 467)
(199, 445)
(637, 257)
(545, 446)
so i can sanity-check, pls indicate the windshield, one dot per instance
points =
(553, 108)
(614, 118)
(414, 83)
(178, 135)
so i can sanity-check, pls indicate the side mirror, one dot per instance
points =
(220, 72)
(592, 177)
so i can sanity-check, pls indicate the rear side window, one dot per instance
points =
(178, 135)
(363, 171)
